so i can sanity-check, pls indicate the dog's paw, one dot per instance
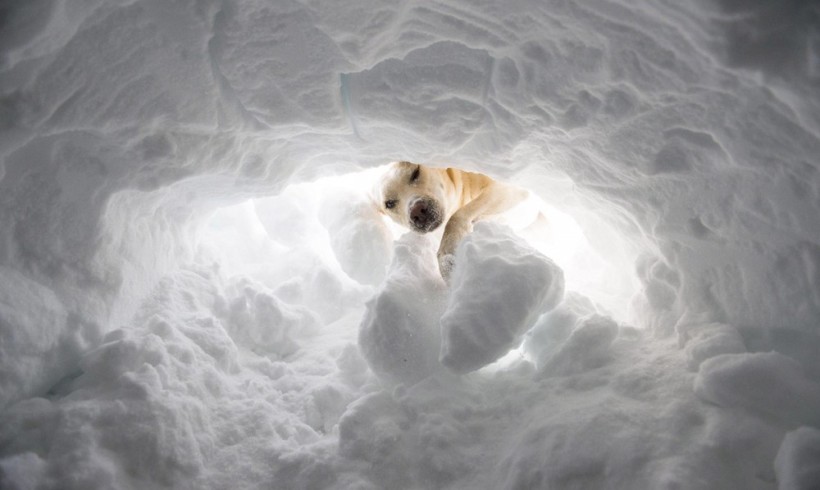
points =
(454, 232)
(446, 263)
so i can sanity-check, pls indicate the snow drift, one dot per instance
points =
(181, 289)
(499, 287)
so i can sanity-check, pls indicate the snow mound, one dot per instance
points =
(191, 394)
(399, 334)
(38, 338)
(586, 348)
(500, 285)
(554, 327)
(358, 236)
(257, 319)
(705, 341)
(684, 133)
(766, 383)
(367, 428)
(798, 461)
(404, 445)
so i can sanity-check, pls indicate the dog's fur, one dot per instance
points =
(423, 198)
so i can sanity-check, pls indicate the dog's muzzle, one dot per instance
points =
(424, 215)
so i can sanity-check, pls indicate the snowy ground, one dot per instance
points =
(196, 293)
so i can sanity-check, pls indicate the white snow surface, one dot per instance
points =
(499, 287)
(196, 292)
(400, 333)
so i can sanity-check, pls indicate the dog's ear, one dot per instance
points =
(374, 196)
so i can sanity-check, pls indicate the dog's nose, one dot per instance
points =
(419, 213)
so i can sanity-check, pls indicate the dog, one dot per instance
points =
(423, 198)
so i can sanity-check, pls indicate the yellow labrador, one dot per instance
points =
(423, 198)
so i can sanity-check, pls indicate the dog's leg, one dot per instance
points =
(494, 199)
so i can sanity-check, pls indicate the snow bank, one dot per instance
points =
(358, 236)
(400, 333)
(39, 339)
(769, 383)
(798, 461)
(190, 393)
(144, 345)
(586, 348)
(554, 327)
(702, 342)
(264, 323)
(499, 287)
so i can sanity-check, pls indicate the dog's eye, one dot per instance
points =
(390, 204)
(416, 174)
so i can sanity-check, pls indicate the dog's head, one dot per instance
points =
(413, 196)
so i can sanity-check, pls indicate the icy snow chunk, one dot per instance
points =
(419, 437)
(369, 429)
(399, 334)
(324, 405)
(801, 345)
(499, 287)
(39, 339)
(705, 341)
(358, 236)
(23, 471)
(798, 461)
(352, 366)
(769, 384)
(554, 327)
(263, 323)
(587, 347)
(658, 306)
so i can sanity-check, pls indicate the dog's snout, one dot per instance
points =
(419, 213)
(423, 215)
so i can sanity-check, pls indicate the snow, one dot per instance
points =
(587, 347)
(196, 291)
(765, 382)
(499, 287)
(400, 333)
(796, 462)
(702, 342)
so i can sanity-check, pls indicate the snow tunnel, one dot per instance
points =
(197, 292)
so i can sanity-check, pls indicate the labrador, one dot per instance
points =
(423, 198)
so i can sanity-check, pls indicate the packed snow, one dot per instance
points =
(499, 287)
(198, 291)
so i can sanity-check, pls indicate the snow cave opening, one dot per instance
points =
(335, 219)
(184, 303)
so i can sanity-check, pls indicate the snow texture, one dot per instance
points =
(400, 333)
(798, 461)
(769, 383)
(702, 342)
(499, 287)
(587, 347)
(196, 292)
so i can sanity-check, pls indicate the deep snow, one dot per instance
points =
(195, 291)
